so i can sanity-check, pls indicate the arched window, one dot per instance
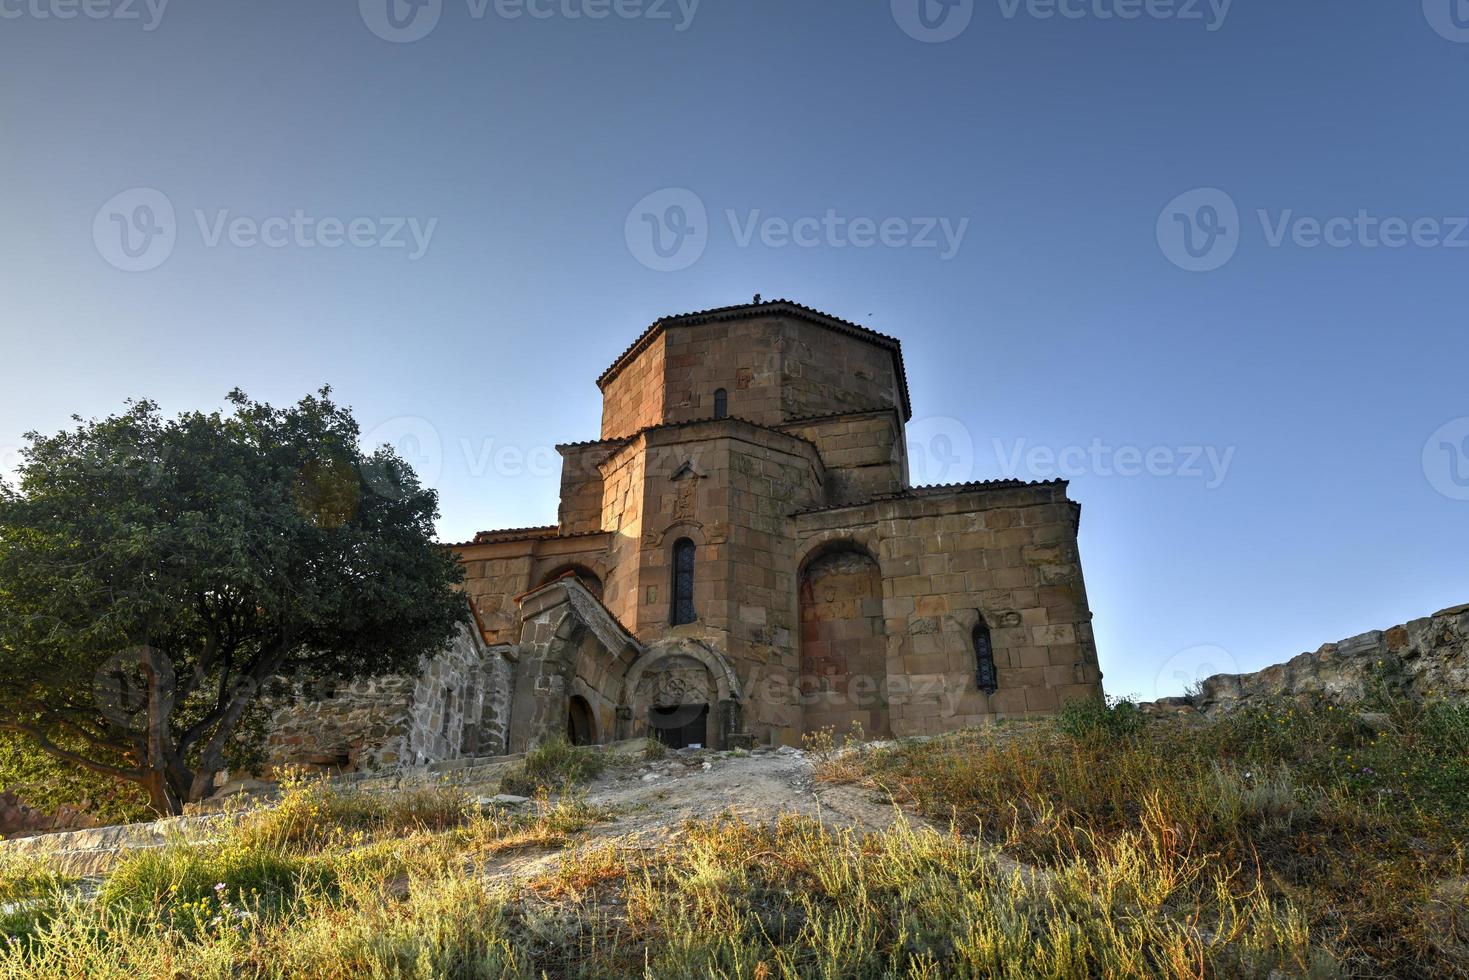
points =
(683, 583)
(986, 678)
(721, 403)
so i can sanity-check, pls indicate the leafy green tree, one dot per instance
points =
(156, 574)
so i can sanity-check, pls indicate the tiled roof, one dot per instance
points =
(728, 418)
(801, 419)
(746, 310)
(936, 490)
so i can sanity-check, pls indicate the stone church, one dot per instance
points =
(739, 558)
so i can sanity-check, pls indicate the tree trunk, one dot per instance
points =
(162, 797)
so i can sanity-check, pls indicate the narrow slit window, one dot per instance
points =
(986, 678)
(683, 583)
(721, 403)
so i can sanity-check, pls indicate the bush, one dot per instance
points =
(1098, 717)
(552, 767)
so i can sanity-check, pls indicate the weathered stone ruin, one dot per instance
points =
(1425, 659)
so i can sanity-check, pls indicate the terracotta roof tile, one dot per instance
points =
(936, 490)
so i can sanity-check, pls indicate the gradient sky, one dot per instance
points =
(1329, 377)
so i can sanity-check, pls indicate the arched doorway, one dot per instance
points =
(581, 725)
(843, 643)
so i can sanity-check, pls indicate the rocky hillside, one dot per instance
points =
(1422, 660)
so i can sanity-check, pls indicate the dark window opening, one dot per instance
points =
(683, 583)
(721, 404)
(986, 677)
(679, 726)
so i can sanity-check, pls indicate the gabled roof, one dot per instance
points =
(747, 311)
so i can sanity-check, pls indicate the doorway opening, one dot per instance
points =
(680, 726)
(581, 728)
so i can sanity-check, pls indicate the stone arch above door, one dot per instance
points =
(683, 673)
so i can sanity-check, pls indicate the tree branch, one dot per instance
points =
(52, 748)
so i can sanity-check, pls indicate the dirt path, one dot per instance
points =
(652, 801)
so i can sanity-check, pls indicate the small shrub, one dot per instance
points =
(1098, 717)
(654, 750)
(315, 812)
(553, 767)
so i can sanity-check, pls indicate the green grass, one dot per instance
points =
(1359, 825)
(1300, 841)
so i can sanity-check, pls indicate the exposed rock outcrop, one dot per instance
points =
(1427, 658)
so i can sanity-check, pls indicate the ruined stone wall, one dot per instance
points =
(461, 703)
(457, 705)
(354, 725)
(1427, 658)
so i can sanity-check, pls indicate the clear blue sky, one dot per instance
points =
(522, 146)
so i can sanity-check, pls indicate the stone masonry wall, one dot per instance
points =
(360, 725)
(1427, 658)
(1006, 552)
